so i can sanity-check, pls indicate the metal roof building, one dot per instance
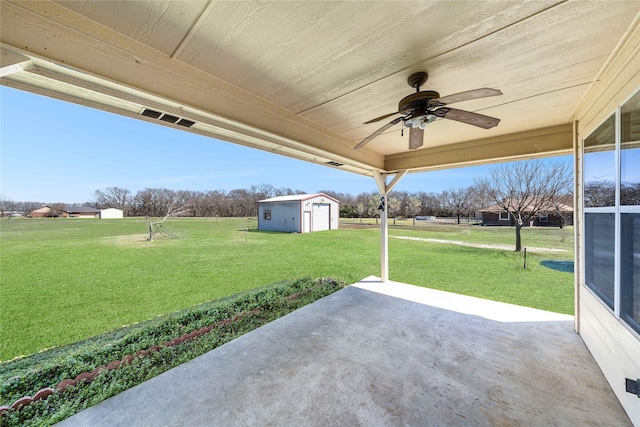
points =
(300, 213)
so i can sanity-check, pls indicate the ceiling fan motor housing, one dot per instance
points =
(419, 100)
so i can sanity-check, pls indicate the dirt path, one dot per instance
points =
(479, 245)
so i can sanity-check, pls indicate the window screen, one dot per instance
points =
(600, 255)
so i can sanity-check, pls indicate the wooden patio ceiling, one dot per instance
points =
(301, 78)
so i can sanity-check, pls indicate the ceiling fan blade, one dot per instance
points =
(416, 138)
(468, 95)
(469, 118)
(377, 119)
(378, 132)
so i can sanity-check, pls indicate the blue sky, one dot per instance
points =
(55, 151)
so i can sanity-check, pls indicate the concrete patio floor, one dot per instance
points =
(382, 354)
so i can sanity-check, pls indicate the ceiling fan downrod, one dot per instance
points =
(417, 79)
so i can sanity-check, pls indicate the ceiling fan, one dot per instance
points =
(423, 107)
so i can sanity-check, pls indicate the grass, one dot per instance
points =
(111, 355)
(484, 273)
(546, 237)
(65, 280)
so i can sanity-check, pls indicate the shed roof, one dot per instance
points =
(81, 209)
(297, 197)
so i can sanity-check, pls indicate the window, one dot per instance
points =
(267, 214)
(543, 218)
(612, 212)
(600, 166)
(504, 216)
(630, 212)
(630, 152)
(630, 271)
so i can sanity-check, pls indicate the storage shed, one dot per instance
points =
(110, 213)
(300, 213)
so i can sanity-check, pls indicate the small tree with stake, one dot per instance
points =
(526, 189)
(158, 226)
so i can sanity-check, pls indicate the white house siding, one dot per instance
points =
(613, 345)
(111, 213)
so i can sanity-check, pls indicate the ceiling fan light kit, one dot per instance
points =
(423, 107)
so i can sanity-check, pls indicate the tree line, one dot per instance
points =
(157, 202)
(523, 189)
(455, 202)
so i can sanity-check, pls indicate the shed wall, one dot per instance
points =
(285, 216)
(334, 211)
(110, 213)
(299, 216)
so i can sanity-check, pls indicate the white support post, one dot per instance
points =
(384, 189)
(384, 240)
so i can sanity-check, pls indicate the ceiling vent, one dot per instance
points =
(335, 164)
(165, 117)
(151, 113)
(169, 118)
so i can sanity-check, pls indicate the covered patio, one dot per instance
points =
(382, 354)
(307, 79)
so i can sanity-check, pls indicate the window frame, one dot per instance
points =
(500, 218)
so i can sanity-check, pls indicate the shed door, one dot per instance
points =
(320, 217)
(306, 223)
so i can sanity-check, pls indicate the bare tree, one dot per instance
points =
(599, 193)
(173, 210)
(527, 188)
(479, 199)
(4, 205)
(112, 197)
(413, 207)
(393, 207)
(27, 207)
(57, 209)
(360, 208)
(374, 205)
(458, 201)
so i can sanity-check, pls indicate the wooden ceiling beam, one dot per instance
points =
(545, 142)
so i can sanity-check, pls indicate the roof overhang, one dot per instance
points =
(273, 76)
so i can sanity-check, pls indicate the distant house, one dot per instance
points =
(66, 212)
(47, 211)
(83, 212)
(110, 213)
(559, 215)
(300, 213)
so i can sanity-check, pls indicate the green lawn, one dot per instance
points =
(63, 280)
(547, 237)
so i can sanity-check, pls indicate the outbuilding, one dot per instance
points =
(300, 213)
(110, 213)
(83, 212)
